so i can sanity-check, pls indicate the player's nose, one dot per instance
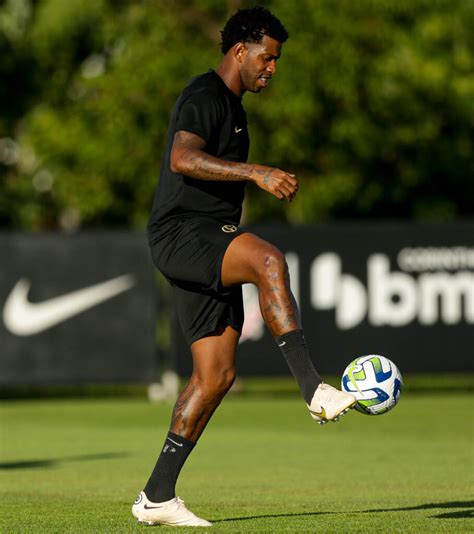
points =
(271, 67)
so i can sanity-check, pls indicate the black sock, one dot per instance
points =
(161, 484)
(294, 349)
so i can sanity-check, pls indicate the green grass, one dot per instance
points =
(413, 383)
(262, 466)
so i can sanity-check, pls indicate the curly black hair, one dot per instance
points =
(249, 26)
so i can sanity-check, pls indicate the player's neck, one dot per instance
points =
(231, 78)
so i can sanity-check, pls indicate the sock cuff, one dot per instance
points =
(291, 339)
(188, 443)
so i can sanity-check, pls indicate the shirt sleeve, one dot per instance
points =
(199, 114)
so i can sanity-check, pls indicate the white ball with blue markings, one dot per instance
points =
(375, 382)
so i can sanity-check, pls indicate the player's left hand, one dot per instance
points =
(281, 184)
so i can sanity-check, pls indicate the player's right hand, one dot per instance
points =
(281, 184)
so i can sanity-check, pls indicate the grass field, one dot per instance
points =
(262, 466)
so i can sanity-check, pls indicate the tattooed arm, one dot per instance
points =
(188, 157)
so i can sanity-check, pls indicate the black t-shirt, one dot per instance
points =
(209, 109)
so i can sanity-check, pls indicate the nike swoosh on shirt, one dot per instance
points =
(25, 318)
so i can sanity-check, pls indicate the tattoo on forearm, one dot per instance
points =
(206, 167)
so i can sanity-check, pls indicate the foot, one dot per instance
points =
(172, 512)
(329, 404)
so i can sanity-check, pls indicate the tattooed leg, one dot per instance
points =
(193, 409)
(213, 375)
(277, 304)
(280, 312)
(251, 259)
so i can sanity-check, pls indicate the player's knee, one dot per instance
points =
(215, 386)
(223, 381)
(272, 266)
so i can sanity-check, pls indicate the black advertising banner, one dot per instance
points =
(405, 291)
(76, 309)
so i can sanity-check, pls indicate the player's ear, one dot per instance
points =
(240, 51)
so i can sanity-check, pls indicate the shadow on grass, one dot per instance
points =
(266, 516)
(54, 462)
(467, 512)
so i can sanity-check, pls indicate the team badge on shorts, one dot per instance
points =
(228, 228)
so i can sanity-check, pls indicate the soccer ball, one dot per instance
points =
(375, 382)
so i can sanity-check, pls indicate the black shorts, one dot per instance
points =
(189, 252)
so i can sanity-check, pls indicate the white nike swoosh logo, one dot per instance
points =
(282, 344)
(237, 130)
(175, 442)
(25, 318)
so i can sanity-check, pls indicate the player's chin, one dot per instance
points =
(259, 84)
(255, 89)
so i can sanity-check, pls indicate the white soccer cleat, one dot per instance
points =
(172, 512)
(329, 404)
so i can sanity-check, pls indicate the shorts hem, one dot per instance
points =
(220, 289)
(212, 328)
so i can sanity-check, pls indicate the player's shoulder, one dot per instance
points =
(205, 86)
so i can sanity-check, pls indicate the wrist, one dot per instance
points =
(256, 173)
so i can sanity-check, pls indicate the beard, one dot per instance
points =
(251, 80)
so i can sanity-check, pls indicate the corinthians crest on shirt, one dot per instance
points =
(229, 228)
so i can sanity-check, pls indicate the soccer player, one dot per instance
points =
(197, 244)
